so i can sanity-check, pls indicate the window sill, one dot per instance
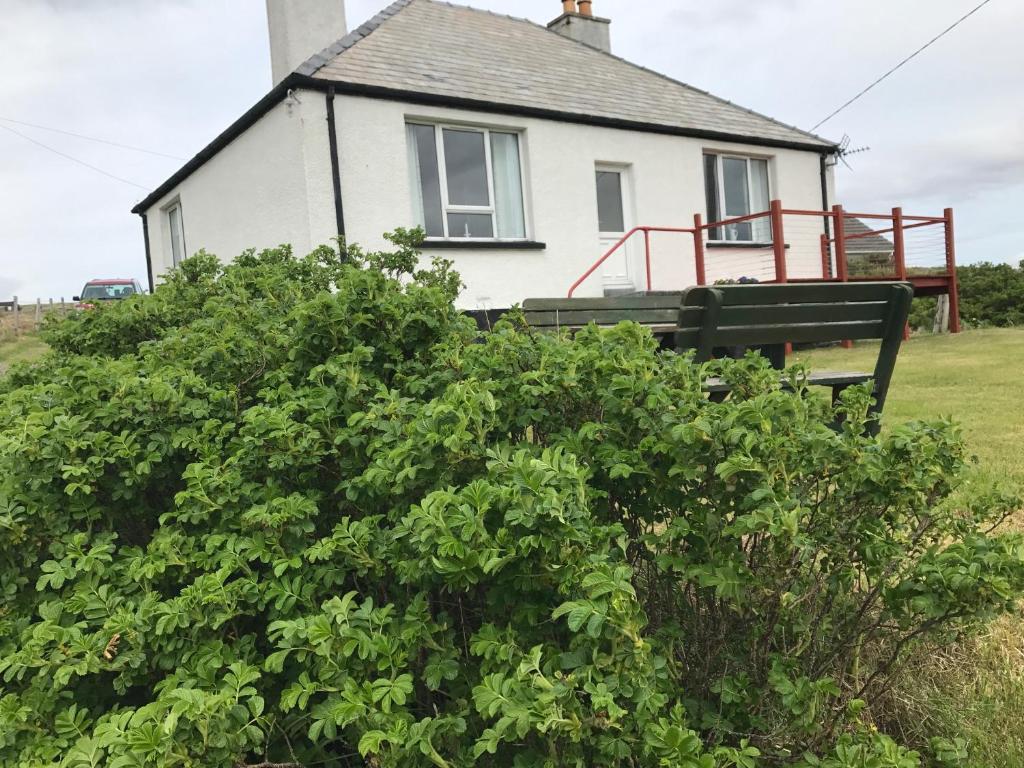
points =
(739, 244)
(482, 245)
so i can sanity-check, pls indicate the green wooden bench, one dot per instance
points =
(716, 319)
(771, 316)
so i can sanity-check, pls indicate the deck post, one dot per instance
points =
(778, 242)
(647, 256)
(954, 289)
(899, 244)
(826, 262)
(841, 267)
(899, 253)
(698, 249)
(842, 273)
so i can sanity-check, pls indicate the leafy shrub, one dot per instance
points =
(991, 296)
(303, 515)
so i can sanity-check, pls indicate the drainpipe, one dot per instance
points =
(825, 203)
(332, 139)
(149, 257)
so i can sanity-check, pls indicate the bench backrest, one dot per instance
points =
(649, 310)
(750, 315)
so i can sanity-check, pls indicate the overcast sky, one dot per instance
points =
(169, 75)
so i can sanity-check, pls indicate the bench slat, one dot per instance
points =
(780, 314)
(791, 293)
(579, 318)
(659, 301)
(816, 379)
(780, 334)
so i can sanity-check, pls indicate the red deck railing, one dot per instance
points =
(833, 246)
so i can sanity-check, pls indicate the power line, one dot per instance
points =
(920, 50)
(91, 138)
(72, 159)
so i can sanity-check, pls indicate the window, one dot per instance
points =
(174, 223)
(610, 215)
(467, 182)
(737, 186)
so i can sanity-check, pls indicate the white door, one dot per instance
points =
(613, 222)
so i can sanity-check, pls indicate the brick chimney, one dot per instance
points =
(301, 28)
(579, 23)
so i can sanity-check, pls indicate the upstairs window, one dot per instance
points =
(737, 186)
(467, 182)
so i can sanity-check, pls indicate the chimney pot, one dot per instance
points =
(568, 6)
(586, 7)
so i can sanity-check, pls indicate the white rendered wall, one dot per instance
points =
(667, 182)
(272, 185)
(269, 186)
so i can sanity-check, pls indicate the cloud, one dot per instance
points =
(8, 287)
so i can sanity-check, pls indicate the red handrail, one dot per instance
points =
(625, 238)
(832, 244)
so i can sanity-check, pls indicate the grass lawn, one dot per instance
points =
(26, 348)
(975, 689)
(977, 377)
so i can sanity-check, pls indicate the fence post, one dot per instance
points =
(778, 241)
(39, 314)
(63, 309)
(899, 244)
(841, 266)
(954, 289)
(698, 249)
(17, 318)
(826, 262)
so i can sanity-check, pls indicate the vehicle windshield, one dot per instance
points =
(104, 292)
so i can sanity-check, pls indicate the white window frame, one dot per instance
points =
(176, 259)
(442, 171)
(720, 158)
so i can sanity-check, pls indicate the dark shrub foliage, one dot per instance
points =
(297, 512)
(991, 296)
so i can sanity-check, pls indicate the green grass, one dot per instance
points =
(26, 348)
(976, 377)
(974, 689)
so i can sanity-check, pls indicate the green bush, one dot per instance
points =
(295, 511)
(991, 296)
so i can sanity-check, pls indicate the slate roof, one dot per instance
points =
(431, 51)
(869, 244)
(434, 48)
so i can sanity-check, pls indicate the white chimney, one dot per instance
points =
(301, 28)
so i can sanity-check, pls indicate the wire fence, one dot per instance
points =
(17, 318)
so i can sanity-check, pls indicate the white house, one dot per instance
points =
(524, 151)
